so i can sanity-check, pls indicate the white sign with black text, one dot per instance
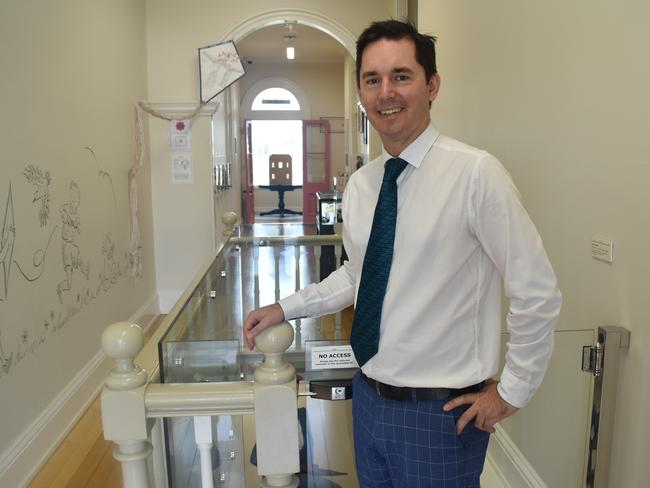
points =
(332, 357)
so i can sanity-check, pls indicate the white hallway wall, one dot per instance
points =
(558, 91)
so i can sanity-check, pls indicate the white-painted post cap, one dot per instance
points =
(275, 339)
(122, 340)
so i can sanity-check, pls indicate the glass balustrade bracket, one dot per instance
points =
(602, 361)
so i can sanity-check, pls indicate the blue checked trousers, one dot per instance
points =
(413, 444)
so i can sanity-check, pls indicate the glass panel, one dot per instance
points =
(205, 344)
(315, 139)
(202, 361)
(227, 454)
(316, 168)
(329, 445)
(257, 267)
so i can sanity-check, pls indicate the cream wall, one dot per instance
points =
(175, 31)
(71, 72)
(183, 220)
(323, 83)
(558, 91)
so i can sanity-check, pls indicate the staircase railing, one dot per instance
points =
(133, 398)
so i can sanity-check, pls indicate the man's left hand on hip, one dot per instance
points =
(486, 406)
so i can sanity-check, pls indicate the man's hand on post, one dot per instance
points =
(260, 319)
(487, 407)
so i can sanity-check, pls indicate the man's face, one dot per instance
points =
(394, 91)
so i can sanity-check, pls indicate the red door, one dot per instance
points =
(248, 201)
(316, 164)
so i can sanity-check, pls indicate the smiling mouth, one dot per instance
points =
(391, 111)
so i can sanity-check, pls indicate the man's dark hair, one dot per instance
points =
(425, 47)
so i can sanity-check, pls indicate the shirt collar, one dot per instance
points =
(414, 153)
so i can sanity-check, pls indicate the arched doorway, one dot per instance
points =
(336, 34)
(273, 109)
(312, 19)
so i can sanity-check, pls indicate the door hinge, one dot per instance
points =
(592, 358)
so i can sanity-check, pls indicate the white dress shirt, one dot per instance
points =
(461, 229)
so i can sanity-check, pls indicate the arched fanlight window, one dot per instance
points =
(275, 99)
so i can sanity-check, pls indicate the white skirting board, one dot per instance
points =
(25, 457)
(509, 465)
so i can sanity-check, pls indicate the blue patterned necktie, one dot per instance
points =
(364, 337)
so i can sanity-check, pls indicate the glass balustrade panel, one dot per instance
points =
(205, 344)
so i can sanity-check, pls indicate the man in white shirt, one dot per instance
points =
(460, 230)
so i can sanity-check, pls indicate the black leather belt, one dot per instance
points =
(408, 393)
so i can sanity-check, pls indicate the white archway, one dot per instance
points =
(280, 16)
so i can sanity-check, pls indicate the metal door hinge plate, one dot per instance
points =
(592, 359)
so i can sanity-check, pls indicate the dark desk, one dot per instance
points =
(280, 189)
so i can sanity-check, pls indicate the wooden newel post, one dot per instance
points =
(123, 407)
(276, 407)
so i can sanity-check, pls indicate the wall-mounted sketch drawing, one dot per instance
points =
(5, 361)
(111, 271)
(41, 180)
(219, 67)
(103, 174)
(7, 239)
(70, 232)
(8, 236)
(38, 260)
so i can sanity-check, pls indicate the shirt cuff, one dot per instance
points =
(514, 390)
(292, 305)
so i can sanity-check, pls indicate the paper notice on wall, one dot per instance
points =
(180, 135)
(181, 167)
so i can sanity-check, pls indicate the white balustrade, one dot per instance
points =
(317, 254)
(123, 411)
(276, 267)
(203, 439)
(338, 320)
(296, 257)
(129, 403)
(276, 409)
(256, 275)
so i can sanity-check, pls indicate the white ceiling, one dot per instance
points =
(268, 45)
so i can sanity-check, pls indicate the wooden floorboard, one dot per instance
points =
(91, 462)
(105, 466)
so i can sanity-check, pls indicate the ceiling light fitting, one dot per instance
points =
(289, 39)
